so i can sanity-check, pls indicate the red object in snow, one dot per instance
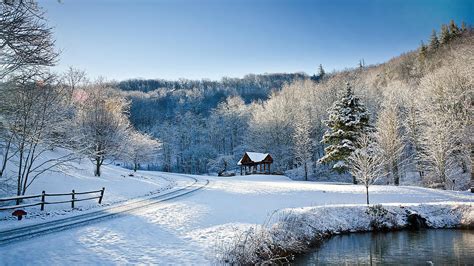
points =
(19, 214)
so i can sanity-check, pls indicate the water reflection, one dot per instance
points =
(407, 247)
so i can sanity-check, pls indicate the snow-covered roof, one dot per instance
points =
(255, 157)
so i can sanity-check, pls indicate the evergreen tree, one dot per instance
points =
(423, 52)
(463, 27)
(321, 71)
(348, 119)
(444, 35)
(434, 42)
(453, 29)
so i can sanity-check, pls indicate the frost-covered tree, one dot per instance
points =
(229, 121)
(348, 119)
(271, 130)
(102, 122)
(413, 126)
(302, 141)
(446, 105)
(445, 36)
(34, 122)
(434, 42)
(453, 29)
(26, 41)
(141, 148)
(366, 163)
(389, 137)
(72, 79)
(321, 71)
(221, 164)
(422, 53)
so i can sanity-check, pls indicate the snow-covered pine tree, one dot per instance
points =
(321, 71)
(434, 41)
(348, 119)
(445, 34)
(453, 29)
(423, 53)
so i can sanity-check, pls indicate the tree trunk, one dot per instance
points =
(305, 171)
(472, 168)
(135, 167)
(396, 178)
(5, 158)
(367, 193)
(97, 167)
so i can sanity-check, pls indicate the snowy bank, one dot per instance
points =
(297, 230)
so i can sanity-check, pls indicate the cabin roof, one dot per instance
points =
(255, 157)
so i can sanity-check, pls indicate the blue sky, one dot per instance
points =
(197, 39)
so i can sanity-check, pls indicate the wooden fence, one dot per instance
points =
(43, 201)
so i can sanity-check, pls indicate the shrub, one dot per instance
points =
(380, 218)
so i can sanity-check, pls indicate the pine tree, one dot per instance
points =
(434, 42)
(321, 71)
(348, 119)
(453, 29)
(444, 35)
(423, 52)
(463, 27)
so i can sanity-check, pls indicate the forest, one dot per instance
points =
(417, 109)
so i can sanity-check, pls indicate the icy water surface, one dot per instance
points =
(425, 247)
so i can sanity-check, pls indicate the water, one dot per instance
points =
(425, 247)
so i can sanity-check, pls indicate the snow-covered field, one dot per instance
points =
(190, 229)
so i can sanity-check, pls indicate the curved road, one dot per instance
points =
(26, 232)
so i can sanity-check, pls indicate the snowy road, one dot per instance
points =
(189, 229)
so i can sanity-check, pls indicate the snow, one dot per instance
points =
(255, 157)
(193, 228)
(79, 175)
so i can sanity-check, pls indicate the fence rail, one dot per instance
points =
(43, 201)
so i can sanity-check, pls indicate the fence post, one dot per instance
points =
(73, 198)
(43, 196)
(101, 195)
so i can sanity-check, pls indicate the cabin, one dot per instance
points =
(255, 163)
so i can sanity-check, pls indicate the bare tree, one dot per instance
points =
(388, 137)
(366, 163)
(36, 123)
(302, 141)
(25, 39)
(102, 122)
(72, 79)
(439, 152)
(446, 104)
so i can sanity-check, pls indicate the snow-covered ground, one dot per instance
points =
(120, 185)
(190, 229)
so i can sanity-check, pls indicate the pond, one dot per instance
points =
(425, 247)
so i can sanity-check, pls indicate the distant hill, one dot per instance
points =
(158, 99)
